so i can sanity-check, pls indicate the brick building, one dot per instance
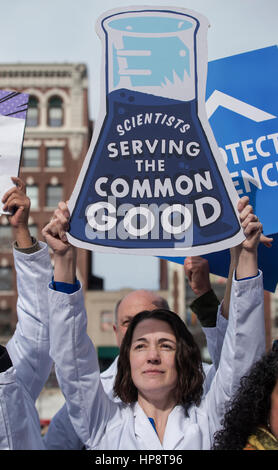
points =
(57, 136)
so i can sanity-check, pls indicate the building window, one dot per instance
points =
(33, 112)
(106, 320)
(32, 192)
(5, 322)
(6, 278)
(6, 236)
(54, 194)
(55, 111)
(55, 157)
(30, 157)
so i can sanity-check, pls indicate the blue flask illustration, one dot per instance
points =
(152, 181)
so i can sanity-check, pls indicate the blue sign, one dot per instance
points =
(154, 181)
(242, 98)
(242, 103)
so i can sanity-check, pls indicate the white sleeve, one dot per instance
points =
(243, 345)
(29, 346)
(77, 367)
(61, 434)
(215, 337)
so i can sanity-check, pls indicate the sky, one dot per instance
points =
(64, 31)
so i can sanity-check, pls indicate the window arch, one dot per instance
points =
(55, 111)
(33, 112)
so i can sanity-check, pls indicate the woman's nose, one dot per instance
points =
(153, 356)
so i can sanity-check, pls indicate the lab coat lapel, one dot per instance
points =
(144, 430)
(174, 432)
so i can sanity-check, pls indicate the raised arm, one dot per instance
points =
(212, 315)
(64, 253)
(244, 341)
(29, 346)
(206, 307)
(61, 434)
(75, 358)
(266, 241)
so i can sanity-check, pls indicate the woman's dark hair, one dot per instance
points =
(188, 361)
(250, 407)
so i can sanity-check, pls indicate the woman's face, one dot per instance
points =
(152, 358)
(274, 411)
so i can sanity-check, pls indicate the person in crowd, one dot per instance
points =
(31, 303)
(61, 434)
(206, 311)
(25, 362)
(20, 426)
(159, 368)
(251, 420)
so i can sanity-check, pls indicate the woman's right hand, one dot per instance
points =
(54, 232)
(65, 254)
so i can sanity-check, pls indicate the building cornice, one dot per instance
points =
(43, 75)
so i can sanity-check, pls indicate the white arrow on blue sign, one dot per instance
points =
(242, 104)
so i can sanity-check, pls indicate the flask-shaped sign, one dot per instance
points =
(153, 181)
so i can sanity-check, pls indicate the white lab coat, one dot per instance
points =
(61, 434)
(105, 425)
(29, 351)
(19, 420)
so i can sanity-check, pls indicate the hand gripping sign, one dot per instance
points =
(153, 181)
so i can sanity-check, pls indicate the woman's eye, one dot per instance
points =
(139, 346)
(167, 346)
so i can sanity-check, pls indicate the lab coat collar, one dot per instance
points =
(144, 429)
(174, 431)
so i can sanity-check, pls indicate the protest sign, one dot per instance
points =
(153, 181)
(242, 104)
(13, 110)
(242, 99)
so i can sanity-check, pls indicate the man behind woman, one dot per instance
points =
(161, 401)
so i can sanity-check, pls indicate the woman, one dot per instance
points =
(160, 377)
(251, 422)
(159, 366)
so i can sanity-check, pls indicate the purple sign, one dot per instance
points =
(13, 111)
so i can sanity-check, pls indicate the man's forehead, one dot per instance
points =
(135, 303)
